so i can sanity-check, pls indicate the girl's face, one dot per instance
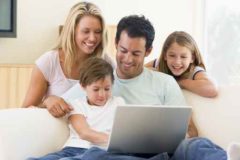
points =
(178, 59)
(99, 92)
(88, 34)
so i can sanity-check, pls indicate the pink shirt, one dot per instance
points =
(58, 83)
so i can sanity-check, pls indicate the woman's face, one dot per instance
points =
(178, 59)
(88, 34)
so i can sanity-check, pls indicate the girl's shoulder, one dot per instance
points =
(199, 68)
(195, 70)
(153, 64)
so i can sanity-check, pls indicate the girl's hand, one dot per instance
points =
(201, 85)
(182, 82)
(56, 106)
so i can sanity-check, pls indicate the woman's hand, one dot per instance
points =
(56, 106)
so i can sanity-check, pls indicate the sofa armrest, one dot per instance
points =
(26, 132)
(217, 118)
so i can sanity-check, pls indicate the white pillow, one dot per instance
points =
(27, 132)
(233, 151)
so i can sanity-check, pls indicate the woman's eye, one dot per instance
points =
(98, 32)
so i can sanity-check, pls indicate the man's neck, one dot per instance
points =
(126, 77)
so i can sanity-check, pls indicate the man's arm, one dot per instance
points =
(173, 93)
(174, 96)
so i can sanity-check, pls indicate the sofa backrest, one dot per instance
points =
(217, 118)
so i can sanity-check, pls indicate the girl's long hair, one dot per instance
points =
(183, 39)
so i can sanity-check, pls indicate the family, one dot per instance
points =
(79, 57)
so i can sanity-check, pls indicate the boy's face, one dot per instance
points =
(99, 92)
(130, 56)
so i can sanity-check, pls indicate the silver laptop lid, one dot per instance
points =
(148, 129)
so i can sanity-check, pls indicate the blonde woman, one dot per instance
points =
(82, 36)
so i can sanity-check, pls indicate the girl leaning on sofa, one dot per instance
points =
(181, 58)
(83, 36)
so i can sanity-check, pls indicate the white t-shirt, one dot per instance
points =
(58, 83)
(98, 118)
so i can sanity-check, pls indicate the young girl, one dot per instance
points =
(91, 119)
(181, 58)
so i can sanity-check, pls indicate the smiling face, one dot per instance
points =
(99, 92)
(178, 59)
(130, 56)
(88, 34)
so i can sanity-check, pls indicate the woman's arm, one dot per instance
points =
(36, 90)
(201, 85)
(81, 126)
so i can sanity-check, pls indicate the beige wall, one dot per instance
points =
(38, 21)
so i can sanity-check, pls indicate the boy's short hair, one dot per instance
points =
(94, 69)
(136, 26)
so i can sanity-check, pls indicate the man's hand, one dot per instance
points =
(57, 106)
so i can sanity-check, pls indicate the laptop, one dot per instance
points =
(148, 129)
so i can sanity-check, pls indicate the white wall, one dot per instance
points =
(38, 21)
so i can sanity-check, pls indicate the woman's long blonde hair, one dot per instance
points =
(183, 39)
(66, 41)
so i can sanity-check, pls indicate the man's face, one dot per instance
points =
(130, 56)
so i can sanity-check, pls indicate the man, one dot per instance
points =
(138, 85)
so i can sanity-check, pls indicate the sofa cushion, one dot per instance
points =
(31, 132)
(217, 118)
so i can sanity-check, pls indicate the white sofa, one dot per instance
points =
(34, 132)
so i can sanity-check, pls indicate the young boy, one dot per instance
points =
(91, 120)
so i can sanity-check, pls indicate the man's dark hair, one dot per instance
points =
(94, 69)
(136, 26)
